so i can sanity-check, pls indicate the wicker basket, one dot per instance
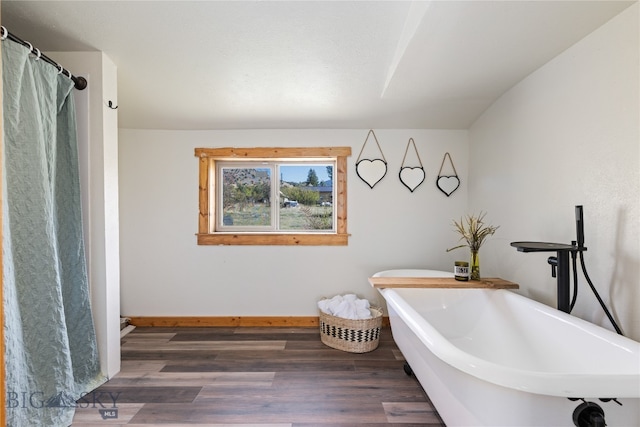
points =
(354, 336)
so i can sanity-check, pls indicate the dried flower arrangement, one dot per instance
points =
(474, 231)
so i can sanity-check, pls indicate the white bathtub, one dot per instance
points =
(495, 358)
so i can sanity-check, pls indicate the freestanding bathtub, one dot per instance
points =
(494, 358)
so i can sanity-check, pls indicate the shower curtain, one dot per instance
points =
(51, 356)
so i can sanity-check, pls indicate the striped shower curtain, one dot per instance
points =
(51, 353)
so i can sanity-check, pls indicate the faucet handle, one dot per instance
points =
(553, 262)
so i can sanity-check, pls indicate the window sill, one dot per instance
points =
(273, 239)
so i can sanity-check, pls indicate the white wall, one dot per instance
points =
(568, 135)
(164, 272)
(98, 152)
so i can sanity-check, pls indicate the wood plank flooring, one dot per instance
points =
(268, 377)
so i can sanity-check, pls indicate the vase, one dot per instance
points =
(475, 265)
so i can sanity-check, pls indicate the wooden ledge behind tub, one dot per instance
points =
(440, 282)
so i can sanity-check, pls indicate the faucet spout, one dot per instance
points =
(553, 262)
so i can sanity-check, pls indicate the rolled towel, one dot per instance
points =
(350, 297)
(323, 305)
(328, 305)
(346, 309)
(362, 309)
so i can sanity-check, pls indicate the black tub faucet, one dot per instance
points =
(560, 267)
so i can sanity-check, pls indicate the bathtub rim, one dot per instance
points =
(412, 272)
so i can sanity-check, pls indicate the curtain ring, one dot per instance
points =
(38, 54)
(5, 33)
(30, 46)
(60, 69)
(69, 74)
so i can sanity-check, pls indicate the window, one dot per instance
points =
(273, 196)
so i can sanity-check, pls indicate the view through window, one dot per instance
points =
(281, 196)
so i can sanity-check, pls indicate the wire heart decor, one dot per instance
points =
(412, 177)
(448, 183)
(371, 171)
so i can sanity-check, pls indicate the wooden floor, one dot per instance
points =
(270, 377)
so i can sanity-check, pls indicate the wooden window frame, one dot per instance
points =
(207, 235)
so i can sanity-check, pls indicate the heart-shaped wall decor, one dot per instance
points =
(448, 184)
(371, 171)
(412, 177)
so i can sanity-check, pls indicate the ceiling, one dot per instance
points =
(310, 64)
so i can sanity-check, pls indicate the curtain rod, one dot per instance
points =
(79, 82)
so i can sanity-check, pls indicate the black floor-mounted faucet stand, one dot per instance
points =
(561, 269)
(560, 266)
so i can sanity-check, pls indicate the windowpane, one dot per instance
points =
(306, 197)
(246, 197)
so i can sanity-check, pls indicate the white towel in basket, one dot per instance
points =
(348, 306)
